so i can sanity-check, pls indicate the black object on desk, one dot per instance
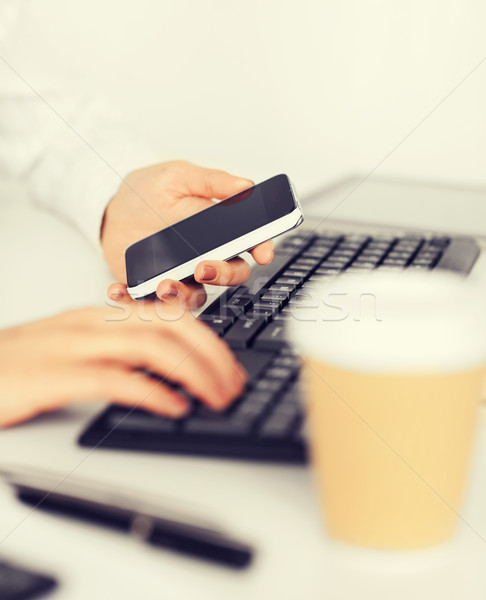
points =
(267, 422)
(108, 506)
(18, 583)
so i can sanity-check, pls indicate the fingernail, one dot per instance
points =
(209, 273)
(179, 410)
(241, 374)
(245, 182)
(116, 296)
(220, 402)
(171, 292)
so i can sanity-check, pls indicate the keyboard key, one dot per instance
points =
(350, 246)
(399, 254)
(264, 275)
(288, 351)
(400, 262)
(299, 239)
(269, 385)
(381, 246)
(372, 252)
(278, 425)
(329, 236)
(322, 245)
(409, 247)
(326, 271)
(243, 331)
(243, 302)
(219, 324)
(296, 274)
(289, 408)
(316, 252)
(292, 281)
(384, 267)
(343, 253)
(254, 362)
(280, 373)
(220, 310)
(139, 420)
(294, 395)
(260, 398)
(266, 313)
(336, 265)
(441, 242)
(287, 361)
(356, 238)
(272, 337)
(218, 426)
(216, 307)
(365, 264)
(273, 295)
(423, 261)
(253, 407)
(307, 262)
(303, 268)
(267, 305)
(278, 287)
(429, 251)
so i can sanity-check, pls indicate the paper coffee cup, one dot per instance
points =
(394, 368)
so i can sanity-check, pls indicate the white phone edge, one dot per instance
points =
(224, 252)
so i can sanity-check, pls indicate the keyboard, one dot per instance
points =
(267, 422)
(19, 584)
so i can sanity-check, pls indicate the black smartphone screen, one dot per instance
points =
(209, 229)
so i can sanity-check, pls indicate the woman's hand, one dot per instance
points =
(155, 197)
(98, 353)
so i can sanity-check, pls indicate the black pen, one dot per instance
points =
(155, 523)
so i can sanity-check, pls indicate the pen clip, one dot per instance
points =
(142, 527)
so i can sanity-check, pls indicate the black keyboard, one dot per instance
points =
(267, 422)
(19, 584)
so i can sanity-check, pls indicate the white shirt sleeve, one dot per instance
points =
(71, 151)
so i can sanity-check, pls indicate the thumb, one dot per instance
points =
(212, 183)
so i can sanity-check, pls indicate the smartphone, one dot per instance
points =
(219, 232)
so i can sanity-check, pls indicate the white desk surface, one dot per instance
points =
(46, 267)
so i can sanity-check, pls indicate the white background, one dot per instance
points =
(317, 89)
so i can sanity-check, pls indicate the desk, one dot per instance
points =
(272, 506)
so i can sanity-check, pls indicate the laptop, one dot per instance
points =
(358, 224)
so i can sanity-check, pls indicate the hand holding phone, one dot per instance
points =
(220, 232)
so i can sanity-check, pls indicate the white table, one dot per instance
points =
(45, 268)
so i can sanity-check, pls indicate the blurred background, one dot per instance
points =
(317, 89)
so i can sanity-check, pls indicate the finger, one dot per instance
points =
(189, 292)
(119, 293)
(212, 183)
(263, 253)
(216, 272)
(174, 355)
(213, 353)
(209, 350)
(131, 388)
(160, 336)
